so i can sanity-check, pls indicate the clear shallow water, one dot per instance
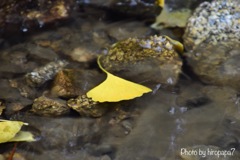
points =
(160, 125)
(160, 134)
(155, 127)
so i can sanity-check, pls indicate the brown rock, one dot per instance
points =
(153, 59)
(70, 83)
(87, 107)
(23, 14)
(49, 106)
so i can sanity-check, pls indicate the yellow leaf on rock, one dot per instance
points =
(115, 89)
(9, 129)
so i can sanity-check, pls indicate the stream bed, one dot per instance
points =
(191, 120)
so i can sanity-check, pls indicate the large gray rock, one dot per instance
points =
(212, 38)
(213, 22)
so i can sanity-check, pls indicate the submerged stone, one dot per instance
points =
(70, 83)
(25, 15)
(217, 64)
(87, 107)
(153, 59)
(124, 8)
(42, 74)
(49, 106)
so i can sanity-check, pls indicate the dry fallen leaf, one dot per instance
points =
(23, 136)
(169, 18)
(10, 129)
(115, 89)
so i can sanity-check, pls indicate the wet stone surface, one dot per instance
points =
(27, 15)
(49, 107)
(40, 75)
(154, 58)
(216, 64)
(87, 107)
(212, 40)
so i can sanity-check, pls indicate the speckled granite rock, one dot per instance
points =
(212, 39)
(213, 22)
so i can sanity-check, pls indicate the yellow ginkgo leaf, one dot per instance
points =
(9, 129)
(160, 3)
(115, 89)
(176, 44)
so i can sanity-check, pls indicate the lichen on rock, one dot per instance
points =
(140, 60)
